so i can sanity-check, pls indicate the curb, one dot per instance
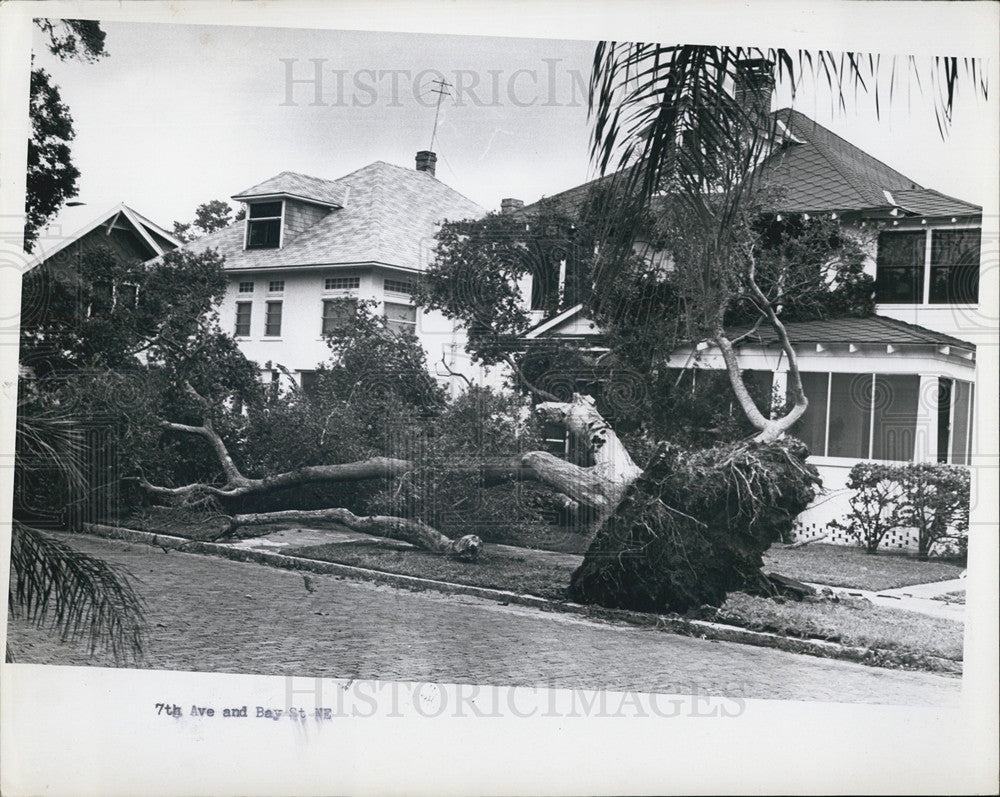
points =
(702, 629)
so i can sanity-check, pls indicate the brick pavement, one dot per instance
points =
(215, 615)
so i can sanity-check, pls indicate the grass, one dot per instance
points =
(547, 577)
(843, 566)
(852, 622)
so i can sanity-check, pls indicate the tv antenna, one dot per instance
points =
(442, 92)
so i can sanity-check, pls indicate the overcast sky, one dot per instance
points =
(177, 115)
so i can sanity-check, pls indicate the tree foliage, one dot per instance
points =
(51, 175)
(208, 217)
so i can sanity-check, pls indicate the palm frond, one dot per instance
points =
(80, 596)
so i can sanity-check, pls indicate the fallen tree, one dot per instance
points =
(598, 487)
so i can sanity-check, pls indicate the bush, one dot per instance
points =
(932, 498)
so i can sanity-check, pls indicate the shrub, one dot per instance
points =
(936, 503)
(932, 498)
(874, 503)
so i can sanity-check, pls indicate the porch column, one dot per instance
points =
(926, 441)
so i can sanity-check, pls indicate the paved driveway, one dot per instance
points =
(216, 615)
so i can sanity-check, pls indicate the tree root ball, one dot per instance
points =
(695, 525)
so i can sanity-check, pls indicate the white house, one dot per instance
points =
(899, 386)
(307, 242)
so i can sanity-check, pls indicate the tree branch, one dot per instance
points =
(537, 391)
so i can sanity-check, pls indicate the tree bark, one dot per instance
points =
(395, 528)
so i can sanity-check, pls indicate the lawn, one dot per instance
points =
(851, 622)
(497, 568)
(844, 566)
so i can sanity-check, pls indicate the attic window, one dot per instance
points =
(264, 225)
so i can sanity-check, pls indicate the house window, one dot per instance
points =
(961, 422)
(398, 286)
(276, 286)
(811, 427)
(894, 416)
(860, 416)
(899, 267)
(101, 298)
(401, 317)
(246, 287)
(127, 295)
(264, 225)
(341, 283)
(272, 320)
(243, 319)
(954, 277)
(336, 313)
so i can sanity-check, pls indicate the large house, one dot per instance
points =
(898, 386)
(307, 242)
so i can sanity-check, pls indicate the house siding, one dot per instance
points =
(300, 216)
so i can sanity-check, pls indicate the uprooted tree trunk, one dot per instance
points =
(695, 525)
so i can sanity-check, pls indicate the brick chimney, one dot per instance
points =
(509, 205)
(754, 84)
(426, 161)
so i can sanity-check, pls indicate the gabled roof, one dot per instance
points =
(876, 329)
(328, 193)
(157, 239)
(389, 215)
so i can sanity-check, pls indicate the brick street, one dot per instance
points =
(215, 615)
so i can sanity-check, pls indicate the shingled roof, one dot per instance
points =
(301, 186)
(389, 215)
(876, 329)
(818, 171)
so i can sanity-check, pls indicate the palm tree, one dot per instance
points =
(51, 583)
(669, 123)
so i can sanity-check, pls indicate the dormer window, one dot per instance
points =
(264, 225)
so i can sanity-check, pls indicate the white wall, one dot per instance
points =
(301, 347)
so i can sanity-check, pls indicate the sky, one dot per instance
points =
(177, 115)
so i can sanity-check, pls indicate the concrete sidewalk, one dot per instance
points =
(918, 598)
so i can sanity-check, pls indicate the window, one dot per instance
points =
(246, 287)
(894, 415)
(861, 416)
(899, 269)
(101, 298)
(276, 286)
(127, 295)
(243, 319)
(954, 277)
(401, 317)
(272, 320)
(336, 313)
(398, 286)
(264, 225)
(849, 417)
(961, 424)
(341, 283)
(811, 427)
